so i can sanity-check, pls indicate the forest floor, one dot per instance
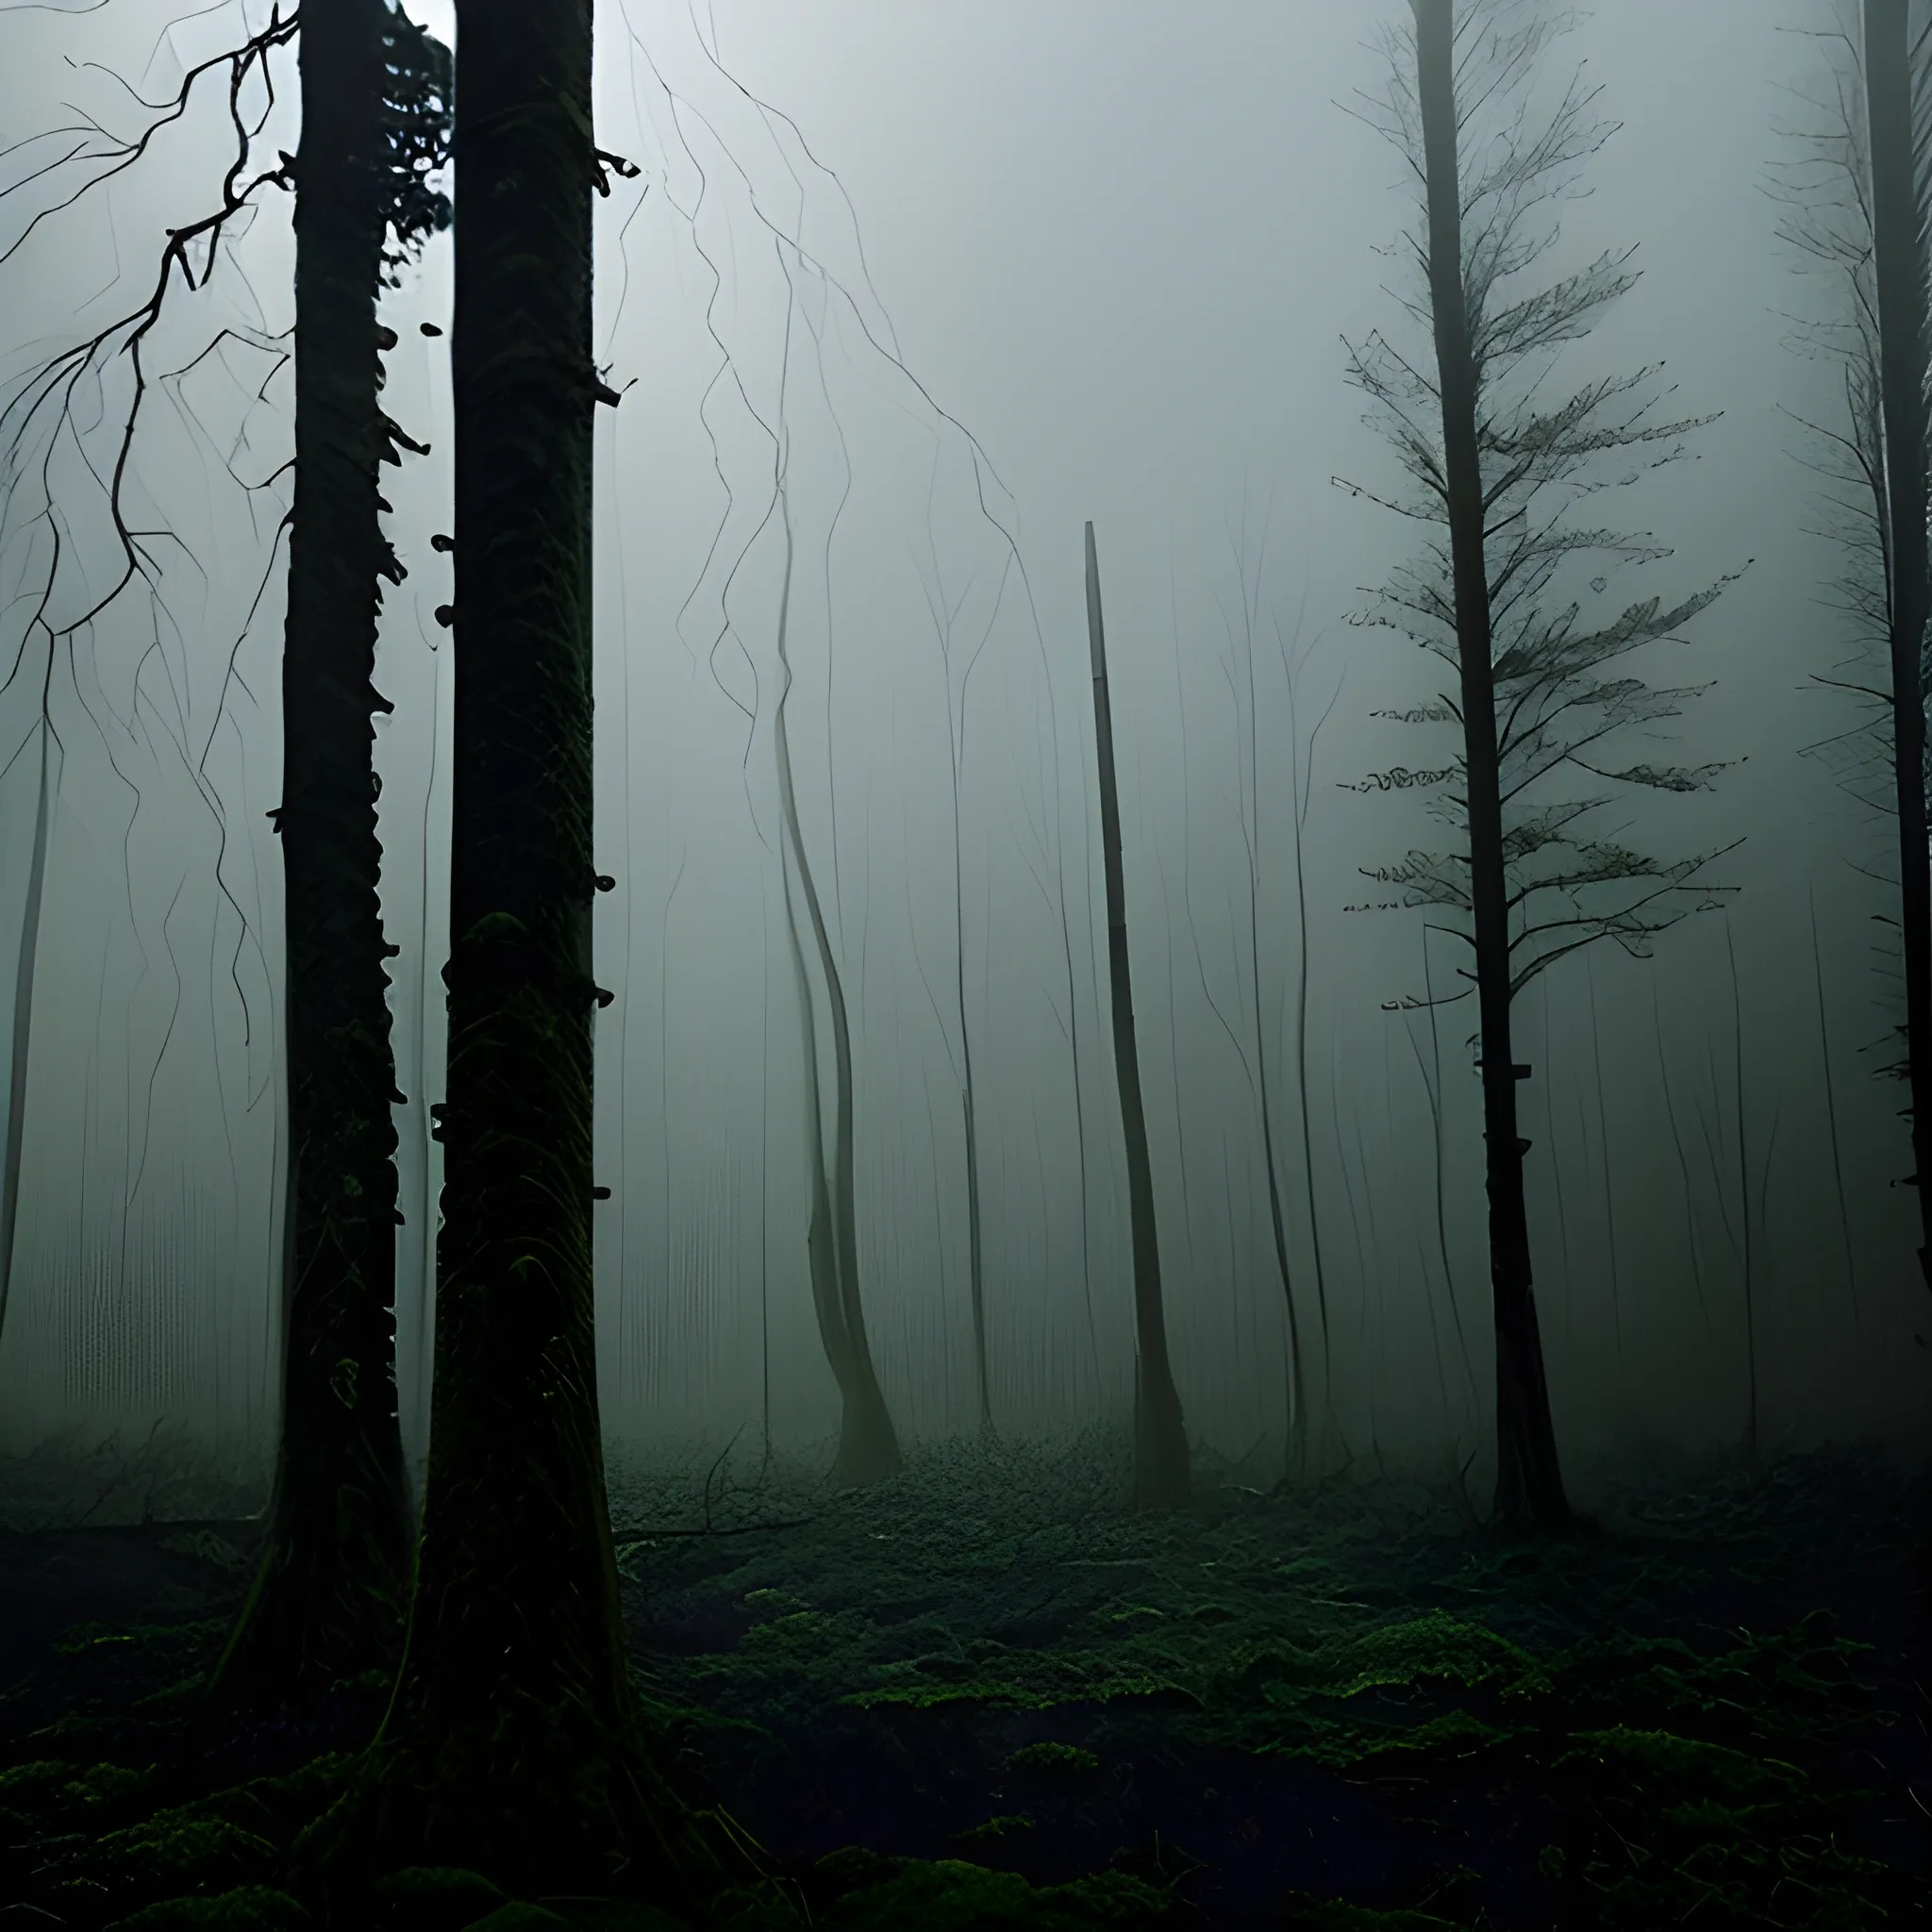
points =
(1342, 1712)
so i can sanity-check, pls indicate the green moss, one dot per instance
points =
(519, 1915)
(952, 1896)
(1006, 1824)
(1334, 1915)
(1050, 1758)
(248, 1908)
(436, 1898)
(1660, 1759)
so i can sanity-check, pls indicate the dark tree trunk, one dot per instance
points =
(868, 1443)
(512, 1743)
(1899, 262)
(1161, 1479)
(1529, 1483)
(326, 1602)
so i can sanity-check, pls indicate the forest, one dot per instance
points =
(1287, 1287)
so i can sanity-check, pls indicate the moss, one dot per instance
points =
(951, 1896)
(519, 1915)
(1051, 1759)
(1334, 1915)
(248, 1908)
(1006, 1824)
(436, 1898)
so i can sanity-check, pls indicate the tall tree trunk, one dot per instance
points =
(868, 1444)
(22, 1036)
(1899, 262)
(975, 1245)
(1161, 1478)
(1529, 1483)
(326, 1602)
(512, 1743)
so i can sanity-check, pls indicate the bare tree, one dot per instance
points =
(1161, 1479)
(57, 594)
(1495, 464)
(868, 1444)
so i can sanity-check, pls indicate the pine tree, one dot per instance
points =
(1531, 703)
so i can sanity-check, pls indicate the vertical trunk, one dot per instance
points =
(1529, 1484)
(1899, 262)
(1160, 1438)
(976, 1245)
(974, 1254)
(327, 1601)
(868, 1444)
(512, 1743)
(22, 1038)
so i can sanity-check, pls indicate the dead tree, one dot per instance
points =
(1161, 1478)
(868, 1443)
(1496, 595)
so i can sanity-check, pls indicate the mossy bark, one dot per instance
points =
(512, 1743)
(326, 1602)
(1529, 1482)
(1161, 1479)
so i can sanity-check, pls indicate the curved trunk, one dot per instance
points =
(327, 1601)
(868, 1444)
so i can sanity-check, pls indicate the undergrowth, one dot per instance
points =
(1344, 1710)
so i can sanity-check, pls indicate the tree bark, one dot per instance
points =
(326, 1603)
(512, 1743)
(1161, 1479)
(1529, 1484)
(1900, 264)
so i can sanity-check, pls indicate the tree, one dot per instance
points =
(868, 1444)
(54, 601)
(511, 1742)
(1531, 701)
(1859, 199)
(1160, 1438)
(327, 1598)
(1899, 201)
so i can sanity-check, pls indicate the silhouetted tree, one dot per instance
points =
(52, 596)
(868, 1444)
(1531, 701)
(1860, 197)
(1161, 1479)
(512, 1743)
(326, 1602)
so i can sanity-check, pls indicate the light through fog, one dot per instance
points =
(935, 286)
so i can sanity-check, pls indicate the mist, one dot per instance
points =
(915, 294)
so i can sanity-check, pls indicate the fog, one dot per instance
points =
(967, 276)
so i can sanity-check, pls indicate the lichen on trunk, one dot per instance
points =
(327, 1601)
